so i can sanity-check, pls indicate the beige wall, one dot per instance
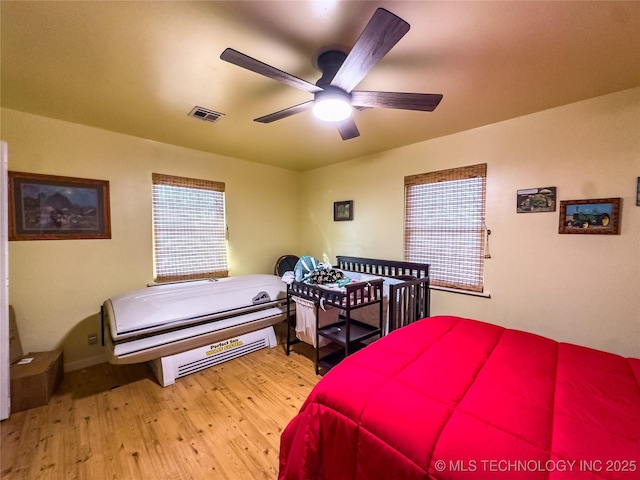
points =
(57, 286)
(579, 288)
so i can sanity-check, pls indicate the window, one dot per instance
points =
(445, 227)
(189, 228)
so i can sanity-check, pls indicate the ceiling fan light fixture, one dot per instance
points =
(334, 93)
(332, 105)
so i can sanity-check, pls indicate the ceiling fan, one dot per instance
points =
(333, 93)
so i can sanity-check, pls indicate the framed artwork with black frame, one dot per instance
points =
(599, 216)
(540, 199)
(343, 211)
(49, 207)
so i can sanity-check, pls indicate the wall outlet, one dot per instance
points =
(93, 338)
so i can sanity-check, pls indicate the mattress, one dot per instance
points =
(167, 319)
(452, 398)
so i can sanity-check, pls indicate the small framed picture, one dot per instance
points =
(540, 199)
(343, 211)
(594, 216)
(48, 207)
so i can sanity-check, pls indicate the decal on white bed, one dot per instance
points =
(262, 297)
(225, 345)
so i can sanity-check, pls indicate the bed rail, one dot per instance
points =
(408, 302)
(385, 268)
(355, 294)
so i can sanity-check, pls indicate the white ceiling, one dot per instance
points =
(140, 67)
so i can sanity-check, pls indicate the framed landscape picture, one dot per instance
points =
(343, 211)
(48, 207)
(596, 216)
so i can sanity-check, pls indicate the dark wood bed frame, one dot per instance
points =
(408, 301)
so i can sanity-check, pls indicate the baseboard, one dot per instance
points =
(85, 363)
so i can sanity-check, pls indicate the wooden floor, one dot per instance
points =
(117, 422)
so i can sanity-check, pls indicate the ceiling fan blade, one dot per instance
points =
(348, 129)
(380, 35)
(287, 112)
(240, 59)
(425, 102)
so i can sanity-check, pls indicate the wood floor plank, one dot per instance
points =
(117, 422)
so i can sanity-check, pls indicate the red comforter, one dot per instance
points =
(452, 398)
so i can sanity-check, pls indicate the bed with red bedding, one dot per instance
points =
(453, 398)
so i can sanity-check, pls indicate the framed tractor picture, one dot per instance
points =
(541, 199)
(597, 216)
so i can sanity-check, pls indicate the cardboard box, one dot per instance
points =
(15, 347)
(34, 382)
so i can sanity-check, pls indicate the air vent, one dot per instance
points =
(205, 114)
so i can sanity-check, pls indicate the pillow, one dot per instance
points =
(305, 265)
(325, 276)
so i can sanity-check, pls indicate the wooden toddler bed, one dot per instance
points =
(395, 292)
(453, 398)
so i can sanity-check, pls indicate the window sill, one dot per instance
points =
(462, 292)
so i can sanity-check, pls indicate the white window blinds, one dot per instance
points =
(445, 225)
(189, 228)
